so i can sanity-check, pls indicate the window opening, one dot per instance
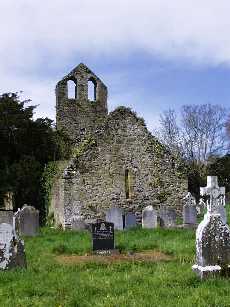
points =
(72, 89)
(92, 90)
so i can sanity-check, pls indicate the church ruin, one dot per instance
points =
(116, 161)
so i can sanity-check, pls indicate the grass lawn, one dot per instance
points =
(47, 282)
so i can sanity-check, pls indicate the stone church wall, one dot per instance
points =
(123, 165)
(80, 116)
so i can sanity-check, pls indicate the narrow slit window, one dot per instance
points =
(92, 90)
(72, 89)
(127, 184)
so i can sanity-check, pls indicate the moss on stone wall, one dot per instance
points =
(48, 179)
(95, 178)
(83, 147)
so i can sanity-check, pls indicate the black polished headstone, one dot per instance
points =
(103, 236)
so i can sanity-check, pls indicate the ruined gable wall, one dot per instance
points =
(95, 181)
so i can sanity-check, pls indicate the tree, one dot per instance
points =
(26, 146)
(198, 137)
(221, 168)
(199, 134)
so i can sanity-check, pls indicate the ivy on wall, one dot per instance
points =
(47, 181)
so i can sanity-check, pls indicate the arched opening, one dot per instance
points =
(71, 89)
(92, 85)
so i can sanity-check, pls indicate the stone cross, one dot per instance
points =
(215, 193)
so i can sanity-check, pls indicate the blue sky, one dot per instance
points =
(152, 55)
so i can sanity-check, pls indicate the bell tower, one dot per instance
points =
(81, 103)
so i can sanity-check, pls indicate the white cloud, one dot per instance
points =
(195, 29)
(34, 32)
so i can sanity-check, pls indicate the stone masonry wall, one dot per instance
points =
(79, 116)
(123, 166)
(57, 195)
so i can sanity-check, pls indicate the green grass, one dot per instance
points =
(167, 283)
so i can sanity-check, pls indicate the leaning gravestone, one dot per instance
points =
(6, 216)
(167, 217)
(115, 216)
(103, 237)
(212, 235)
(189, 211)
(130, 220)
(27, 221)
(12, 252)
(149, 217)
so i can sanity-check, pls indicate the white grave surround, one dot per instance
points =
(211, 257)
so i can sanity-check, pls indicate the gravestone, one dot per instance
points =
(219, 204)
(78, 224)
(167, 217)
(149, 217)
(130, 220)
(12, 252)
(6, 216)
(115, 216)
(201, 207)
(27, 221)
(189, 211)
(212, 235)
(103, 237)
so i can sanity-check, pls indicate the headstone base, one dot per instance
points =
(207, 271)
(108, 252)
(190, 226)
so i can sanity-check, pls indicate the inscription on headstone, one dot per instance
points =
(103, 236)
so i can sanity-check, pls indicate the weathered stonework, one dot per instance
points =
(12, 252)
(212, 235)
(118, 163)
(79, 117)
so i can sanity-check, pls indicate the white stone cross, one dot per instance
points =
(216, 194)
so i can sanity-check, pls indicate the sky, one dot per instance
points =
(151, 54)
